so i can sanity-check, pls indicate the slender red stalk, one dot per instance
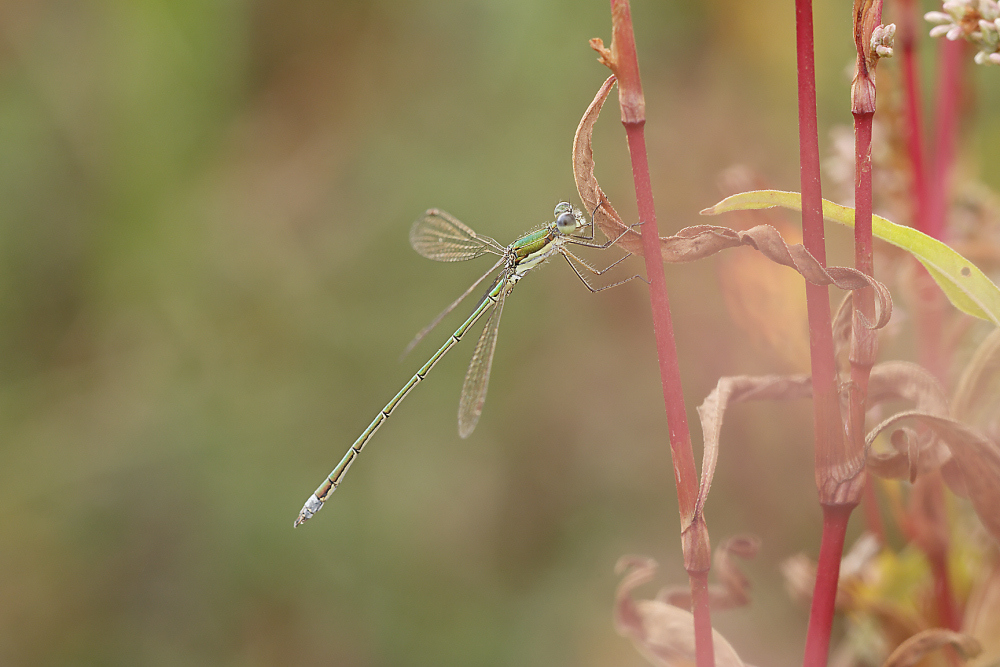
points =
(863, 260)
(835, 518)
(864, 341)
(826, 411)
(929, 299)
(947, 615)
(945, 134)
(906, 35)
(626, 67)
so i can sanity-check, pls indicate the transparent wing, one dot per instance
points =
(437, 320)
(470, 405)
(439, 236)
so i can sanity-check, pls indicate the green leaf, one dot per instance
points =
(963, 283)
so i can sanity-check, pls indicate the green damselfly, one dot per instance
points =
(439, 236)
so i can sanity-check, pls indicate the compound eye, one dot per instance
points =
(562, 207)
(566, 222)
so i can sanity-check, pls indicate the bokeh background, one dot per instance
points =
(206, 284)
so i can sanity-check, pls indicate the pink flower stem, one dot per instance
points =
(826, 410)
(835, 518)
(946, 134)
(906, 34)
(694, 532)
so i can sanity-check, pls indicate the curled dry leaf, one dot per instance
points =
(593, 198)
(662, 633)
(903, 380)
(700, 241)
(734, 587)
(919, 645)
(965, 285)
(974, 467)
(912, 452)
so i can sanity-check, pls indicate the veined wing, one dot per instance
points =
(470, 405)
(427, 329)
(441, 237)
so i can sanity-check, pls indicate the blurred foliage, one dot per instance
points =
(205, 285)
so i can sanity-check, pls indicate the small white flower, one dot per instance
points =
(976, 21)
(881, 42)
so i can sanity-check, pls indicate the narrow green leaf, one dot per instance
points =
(963, 283)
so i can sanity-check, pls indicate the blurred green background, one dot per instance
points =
(206, 283)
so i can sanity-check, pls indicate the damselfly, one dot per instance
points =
(439, 236)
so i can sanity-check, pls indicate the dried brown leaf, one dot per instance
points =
(912, 452)
(903, 380)
(919, 645)
(662, 633)
(700, 241)
(593, 198)
(975, 460)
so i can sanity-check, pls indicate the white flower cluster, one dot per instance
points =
(978, 21)
(881, 43)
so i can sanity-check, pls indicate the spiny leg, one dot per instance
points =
(569, 260)
(582, 241)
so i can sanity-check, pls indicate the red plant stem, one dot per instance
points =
(863, 260)
(634, 119)
(943, 598)
(826, 410)
(929, 300)
(681, 452)
(945, 135)
(835, 518)
(864, 342)
(817, 297)
(906, 35)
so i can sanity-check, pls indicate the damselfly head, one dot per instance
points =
(568, 219)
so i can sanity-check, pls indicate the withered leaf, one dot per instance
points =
(605, 216)
(911, 452)
(919, 645)
(975, 460)
(662, 633)
(904, 380)
(700, 241)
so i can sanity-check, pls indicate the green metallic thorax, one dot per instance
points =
(532, 242)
